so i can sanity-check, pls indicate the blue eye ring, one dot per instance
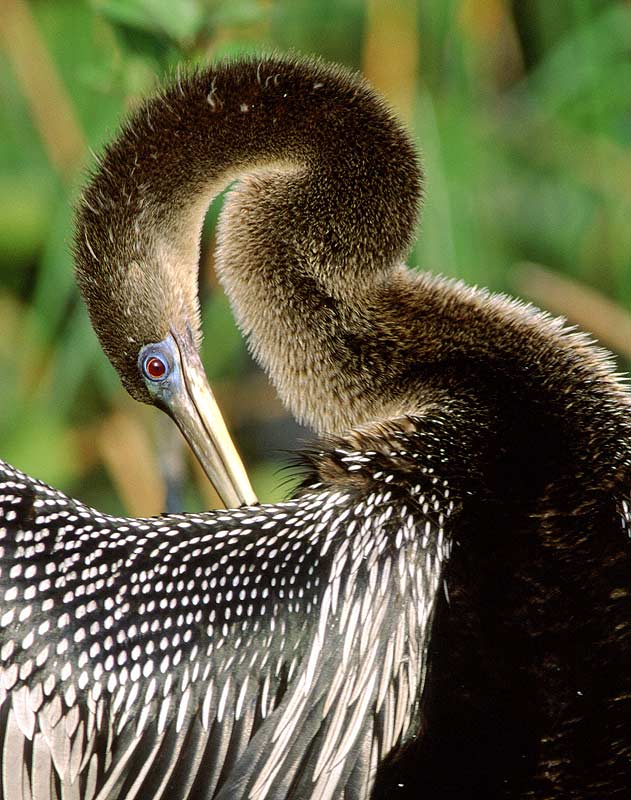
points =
(154, 367)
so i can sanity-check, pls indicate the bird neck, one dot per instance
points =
(407, 341)
(311, 245)
(557, 415)
(330, 199)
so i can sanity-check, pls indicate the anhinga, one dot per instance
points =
(447, 595)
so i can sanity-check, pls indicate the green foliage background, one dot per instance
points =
(522, 112)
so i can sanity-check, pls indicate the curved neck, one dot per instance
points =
(310, 249)
(329, 201)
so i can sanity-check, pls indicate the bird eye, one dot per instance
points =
(154, 368)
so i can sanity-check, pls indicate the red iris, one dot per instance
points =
(155, 368)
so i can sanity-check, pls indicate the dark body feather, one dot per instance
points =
(501, 437)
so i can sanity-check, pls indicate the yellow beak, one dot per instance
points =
(197, 415)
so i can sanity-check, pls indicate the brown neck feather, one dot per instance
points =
(310, 253)
(332, 194)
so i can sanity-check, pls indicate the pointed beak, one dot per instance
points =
(197, 415)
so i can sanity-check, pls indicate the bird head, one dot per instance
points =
(317, 225)
(139, 282)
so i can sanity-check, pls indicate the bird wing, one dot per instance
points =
(267, 652)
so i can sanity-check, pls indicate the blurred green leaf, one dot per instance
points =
(178, 19)
(26, 202)
(223, 349)
(236, 14)
(586, 76)
(39, 442)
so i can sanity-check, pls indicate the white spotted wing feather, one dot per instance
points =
(274, 652)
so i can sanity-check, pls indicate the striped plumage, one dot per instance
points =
(456, 573)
